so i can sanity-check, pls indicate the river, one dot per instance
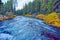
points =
(24, 28)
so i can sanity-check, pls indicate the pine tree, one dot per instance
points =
(1, 7)
(57, 6)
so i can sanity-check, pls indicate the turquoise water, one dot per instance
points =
(23, 28)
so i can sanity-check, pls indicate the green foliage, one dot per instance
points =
(48, 7)
(32, 7)
(6, 5)
(0, 2)
(39, 6)
(19, 12)
(58, 11)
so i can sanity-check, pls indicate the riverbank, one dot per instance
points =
(50, 19)
(5, 17)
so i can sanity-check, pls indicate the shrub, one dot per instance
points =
(52, 19)
(40, 16)
(9, 14)
(56, 23)
(28, 15)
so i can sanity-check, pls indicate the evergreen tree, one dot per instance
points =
(57, 6)
(42, 6)
(1, 7)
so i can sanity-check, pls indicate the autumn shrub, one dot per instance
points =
(52, 19)
(40, 16)
(28, 15)
(14, 15)
(56, 23)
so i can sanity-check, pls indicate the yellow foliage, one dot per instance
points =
(40, 16)
(52, 19)
(14, 15)
(27, 15)
(56, 23)
(10, 17)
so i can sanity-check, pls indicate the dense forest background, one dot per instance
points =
(35, 7)
(41, 6)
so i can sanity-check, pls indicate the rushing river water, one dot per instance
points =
(23, 28)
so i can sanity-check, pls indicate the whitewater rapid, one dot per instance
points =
(23, 28)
